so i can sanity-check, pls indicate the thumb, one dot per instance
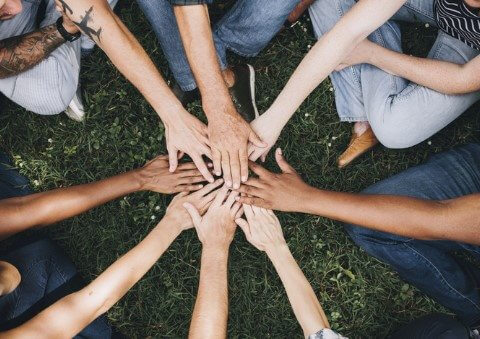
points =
(196, 218)
(282, 163)
(254, 139)
(172, 159)
(244, 226)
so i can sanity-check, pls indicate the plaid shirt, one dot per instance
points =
(189, 2)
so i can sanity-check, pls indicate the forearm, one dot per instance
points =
(209, 319)
(304, 302)
(194, 26)
(426, 72)
(19, 214)
(125, 52)
(327, 54)
(72, 313)
(457, 220)
(20, 53)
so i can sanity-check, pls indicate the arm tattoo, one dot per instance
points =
(20, 53)
(85, 28)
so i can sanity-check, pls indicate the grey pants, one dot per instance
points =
(402, 114)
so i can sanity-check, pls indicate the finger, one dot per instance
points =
(257, 152)
(196, 218)
(210, 187)
(208, 152)
(198, 160)
(191, 180)
(258, 170)
(186, 167)
(172, 159)
(255, 182)
(263, 157)
(282, 163)
(217, 162)
(248, 212)
(220, 198)
(254, 139)
(250, 190)
(180, 155)
(210, 197)
(226, 169)
(251, 149)
(231, 199)
(235, 169)
(244, 226)
(188, 188)
(240, 211)
(257, 210)
(249, 201)
(243, 165)
(235, 208)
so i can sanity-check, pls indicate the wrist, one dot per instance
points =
(218, 251)
(168, 227)
(304, 200)
(277, 252)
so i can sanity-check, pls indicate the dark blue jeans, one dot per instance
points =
(47, 273)
(430, 265)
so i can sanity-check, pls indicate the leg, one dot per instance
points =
(428, 265)
(160, 15)
(12, 183)
(433, 326)
(47, 276)
(49, 87)
(249, 26)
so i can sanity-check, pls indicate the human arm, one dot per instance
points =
(262, 229)
(183, 132)
(329, 51)
(431, 73)
(456, 219)
(41, 209)
(21, 53)
(68, 316)
(215, 230)
(229, 133)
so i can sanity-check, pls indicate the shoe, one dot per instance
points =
(75, 110)
(185, 97)
(359, 144)
(243, 92)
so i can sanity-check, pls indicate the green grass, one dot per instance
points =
(361, 296)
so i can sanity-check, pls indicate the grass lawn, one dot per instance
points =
(361, 296)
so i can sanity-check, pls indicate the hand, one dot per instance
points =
(360, 55)
(217, 227)
(201, 200)
(189, 135)
(262, 228)
(267, 132)
(229, 137)
(155, 176)
(283, 192)
(68, 24)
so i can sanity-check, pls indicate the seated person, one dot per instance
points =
(412, 221)
(35, 273)
(406, 102)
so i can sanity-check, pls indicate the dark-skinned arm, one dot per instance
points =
(456, 219)
(41, 209)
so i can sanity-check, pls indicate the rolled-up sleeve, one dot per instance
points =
(189, 2)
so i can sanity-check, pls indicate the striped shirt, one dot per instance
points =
(458, 20)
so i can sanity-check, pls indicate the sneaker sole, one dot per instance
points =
(252, 90)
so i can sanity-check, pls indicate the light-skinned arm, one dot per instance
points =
(456, 219)
(183, 132)
(68, 316)
(41, 209)
(423, 71)
(262, 229)
(229, 133)
(329, 51)
(215, 230)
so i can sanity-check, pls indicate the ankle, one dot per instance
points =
(361, 127)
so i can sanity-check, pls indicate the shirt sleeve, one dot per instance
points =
(189, 2)
(326, 333)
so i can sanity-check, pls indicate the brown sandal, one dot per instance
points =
(359, 144)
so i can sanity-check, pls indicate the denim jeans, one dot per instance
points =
(402, 114)
(246, 29)
(47, 273)
(430, 265)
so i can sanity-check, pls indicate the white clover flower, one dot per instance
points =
(152, 217)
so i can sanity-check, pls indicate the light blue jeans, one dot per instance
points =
(245, 30)
(401, 113)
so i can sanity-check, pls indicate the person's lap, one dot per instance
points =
(429, 265)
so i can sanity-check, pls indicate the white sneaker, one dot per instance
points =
(75, 110)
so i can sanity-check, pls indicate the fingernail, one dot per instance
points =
(279, 151)
(237, 198)
(200, 186)
(244, 179)
(211, 181)
(229, 184)
(218, 173)
(220, 181)
(210, 165)
(236, 186)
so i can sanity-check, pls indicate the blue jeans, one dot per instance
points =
(246, 29)
(47, 273)
(402, 114)
(430, 265)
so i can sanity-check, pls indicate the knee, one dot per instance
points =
(392, 134)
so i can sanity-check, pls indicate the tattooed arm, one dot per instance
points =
(20, 53)
(183, 132)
